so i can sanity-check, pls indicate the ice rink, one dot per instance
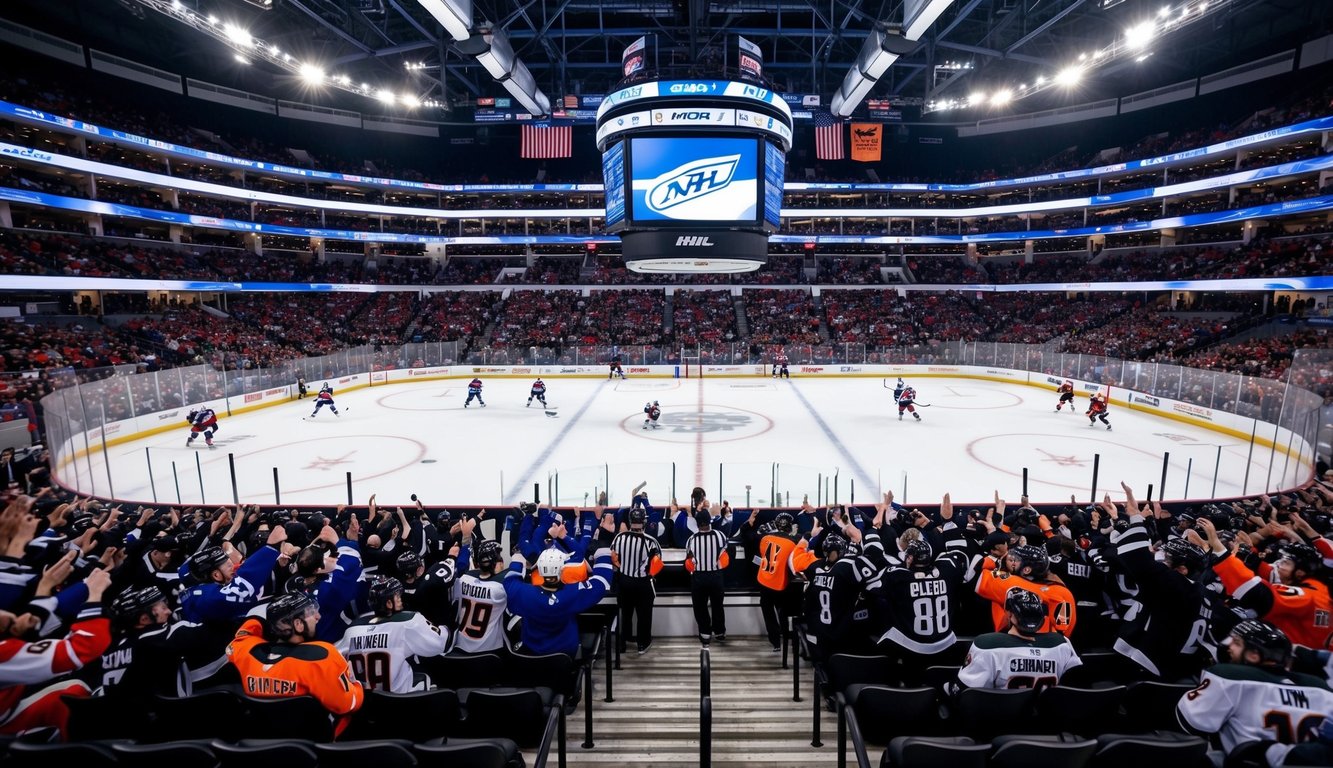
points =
(833, 439)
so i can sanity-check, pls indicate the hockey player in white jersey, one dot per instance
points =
(1263, 713)
(538, 391)
(480, 597)
(1023, 657)
(381, 645)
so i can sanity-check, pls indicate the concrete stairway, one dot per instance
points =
(654, 720)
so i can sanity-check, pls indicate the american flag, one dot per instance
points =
(547, 141)
(828, 137)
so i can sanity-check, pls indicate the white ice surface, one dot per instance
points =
(828, 438)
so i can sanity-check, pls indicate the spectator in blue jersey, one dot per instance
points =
(329, 570)
(223, 591)
(550, 611)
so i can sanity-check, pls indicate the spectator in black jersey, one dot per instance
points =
(138, 664)
(835, 606)
(428, 589)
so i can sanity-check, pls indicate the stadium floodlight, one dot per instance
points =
(1002, 96)
(266, 5)
(1139, 35)
(977, 97)
(498, 58)
(237, 36)
(874, 60)
(240, 59)
(1069, 75)
(311, 74)
(454, 15)
(385, 95)
(410, 101)
(919, 15)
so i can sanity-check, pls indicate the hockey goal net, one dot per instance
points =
(690, 367)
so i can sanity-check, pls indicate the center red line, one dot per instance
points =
(699, 438)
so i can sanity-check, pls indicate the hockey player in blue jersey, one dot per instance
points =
(538, 391)
(224, 592)
(550, 611)
(474, 390)
(202, 420)
(325, 397)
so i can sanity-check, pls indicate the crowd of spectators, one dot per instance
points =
(781, 316)
(702, 317)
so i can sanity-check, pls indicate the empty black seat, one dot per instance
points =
(1180, 750)
(984, 713)
(1150, 706)
(92, 718)
(211, 714)
(415, 716)
(1019, 751)
(518, 714)
(470, 753)
(377, 753)
(883, 713)
(1062, 709)
(23, 754)
(169, 755)
(266, 753)
(935, 752)
(295, 717)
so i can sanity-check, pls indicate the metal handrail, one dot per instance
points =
(853, 732)
(705, 710)
(554, 731)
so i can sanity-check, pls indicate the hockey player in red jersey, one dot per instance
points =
(28, 697)
(474, 390)
(1097, 410)
(906, 402)
(1066, 391)
(202, 420)
(652, 412)
(780, 365)
(539, 392)
(325, 397)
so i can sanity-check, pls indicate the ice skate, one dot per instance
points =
(918, 416)
(900, 417)
(1108, 427)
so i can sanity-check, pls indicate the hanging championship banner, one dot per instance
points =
(635, 57)
(867, 139)
(750, 59)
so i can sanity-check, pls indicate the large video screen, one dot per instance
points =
(775, 167)
(688, 180)
(613, 177)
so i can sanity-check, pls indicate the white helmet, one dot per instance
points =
(654, 402)
(549, 564)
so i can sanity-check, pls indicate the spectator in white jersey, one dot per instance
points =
(1264, 714)
(382, 645)
(480, 598)
(1024, 656)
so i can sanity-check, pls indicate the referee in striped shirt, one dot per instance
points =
(638, 558)
(706, 558)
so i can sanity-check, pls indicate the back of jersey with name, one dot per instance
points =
(1244, 703)
(1005, 661)
(481, 613)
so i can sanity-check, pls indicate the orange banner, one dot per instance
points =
(867, 140)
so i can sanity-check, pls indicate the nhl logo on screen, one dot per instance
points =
(694, 241)
(691, 181)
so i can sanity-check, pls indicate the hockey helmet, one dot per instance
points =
(407, 564)
(637, 517)
(132, 603)
(920, 553)
(1179, 552)
(381, 593)
(1026, 608)
(286, 609)
(833, 543)
(202, 563)
(1303, 557)
(549, 565)
(1029, 556)
(1267, 640)
(783, 522)
(487, 553)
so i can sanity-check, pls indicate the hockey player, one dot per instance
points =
(653, 412)
(780, 365)
(616, 367)
(1260, 710)
(550, 611)
(325, 397)
(202, 420)
(1289, 593)
(301, 390)
(898, 389)
(538, 391)
(381, 645)
(1066, 391)
(1097, 410)
(1028, 566)
(474, 390)
(283, 659)
(1022, 657)
(920, 596)
(906, 400)
(482, 604)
